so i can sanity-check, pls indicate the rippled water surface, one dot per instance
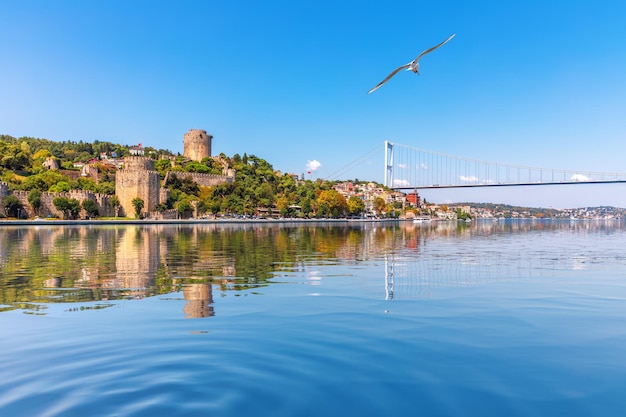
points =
(488, 319)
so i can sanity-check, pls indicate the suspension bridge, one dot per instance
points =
(407, 167)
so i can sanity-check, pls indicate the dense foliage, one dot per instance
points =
(257, 184)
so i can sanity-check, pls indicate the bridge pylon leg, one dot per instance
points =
(388, 164)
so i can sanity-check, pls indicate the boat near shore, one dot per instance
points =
(422, 219)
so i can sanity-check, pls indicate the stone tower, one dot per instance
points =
(137, 179)
(197, 144)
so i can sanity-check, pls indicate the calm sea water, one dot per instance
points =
(488, 319)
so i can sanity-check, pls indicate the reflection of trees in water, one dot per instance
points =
(82, 263)
(79, 263)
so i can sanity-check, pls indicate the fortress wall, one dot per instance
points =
(4, 191)
(137, 179)
(164, 215)
(206, 180)
(164, 195)
(47, 206)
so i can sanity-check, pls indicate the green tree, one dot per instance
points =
(286, 184)
(51, 178)
(34, 199)
(61, 204)
(14, 157)
(73, 208)
(202, 207)
(265, 195)
(105, 187)
(184, 208)
(183, 184)
(138, 204)
(87, 184)
(41, 155)
(90, 207)
(215, 205)
(34, 182)
(162, 166)
(197, 167)
(461, 215)
(189, 186)
(232, 204)
(114, 202)
(60, 187)
(11, 205)
(70, 207)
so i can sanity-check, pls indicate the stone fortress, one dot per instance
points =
(136, 178)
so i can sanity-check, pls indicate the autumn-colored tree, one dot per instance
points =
(379, 205)
(356, 206)
(332, 203)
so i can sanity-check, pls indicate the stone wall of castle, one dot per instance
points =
(137, 179)
(4, 191)
(197, 144)
(205, 180)
(47, 208)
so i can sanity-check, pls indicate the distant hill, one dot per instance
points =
(506, 210)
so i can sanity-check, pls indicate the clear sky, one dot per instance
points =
(534, 82)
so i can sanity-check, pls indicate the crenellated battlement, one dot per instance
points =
(137, 178)
(138, 163)
(47, 207)
(137, 183)
(203, 179)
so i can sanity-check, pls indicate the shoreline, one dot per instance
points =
(59, 222)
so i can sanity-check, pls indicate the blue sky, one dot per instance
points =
(523, 82)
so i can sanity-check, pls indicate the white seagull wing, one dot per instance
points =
(433, 48)
(394, 72)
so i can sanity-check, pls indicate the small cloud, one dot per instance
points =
(400, 183)
(468, 179)
(313, 165)
(580, 177)
(424, 166)
(403, 166)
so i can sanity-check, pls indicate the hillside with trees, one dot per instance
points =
(257, 185)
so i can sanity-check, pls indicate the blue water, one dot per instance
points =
(515, 319)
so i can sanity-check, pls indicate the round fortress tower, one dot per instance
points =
(197, 144)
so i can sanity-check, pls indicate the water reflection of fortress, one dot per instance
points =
(74, 264)
(141, 254)
(131, 259)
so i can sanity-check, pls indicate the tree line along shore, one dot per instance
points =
(77, 180)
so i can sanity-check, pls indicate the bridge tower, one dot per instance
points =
(388, 164)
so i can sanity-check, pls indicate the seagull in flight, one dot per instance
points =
(412, 66)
